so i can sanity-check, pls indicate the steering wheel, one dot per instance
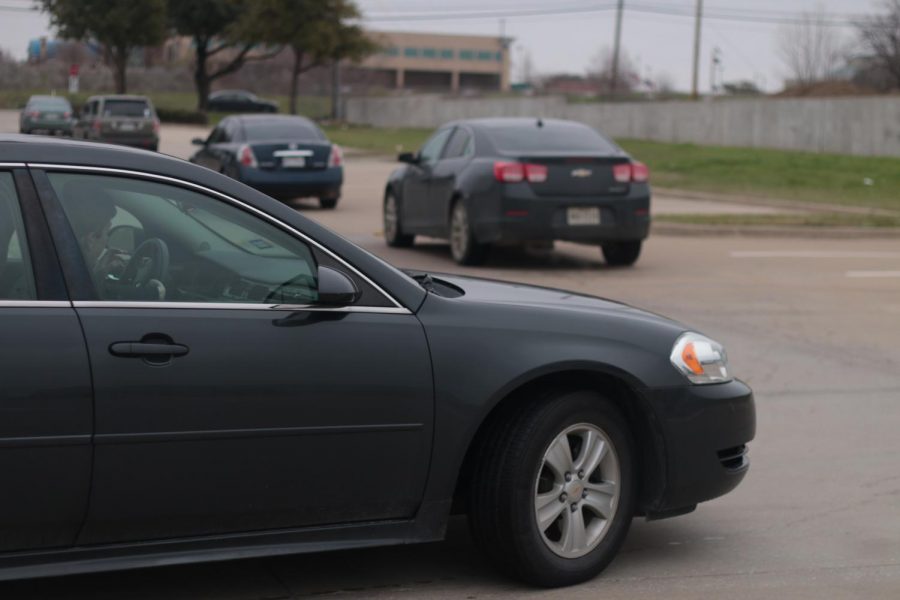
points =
(149, 261)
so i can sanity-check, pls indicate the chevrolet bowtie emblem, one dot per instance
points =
(581, 173)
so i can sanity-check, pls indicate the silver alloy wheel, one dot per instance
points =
(390, 217)
(459, 232)
(577, 490)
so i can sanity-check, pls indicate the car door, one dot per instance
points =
(45, 396)
(455, 156)
(414, 203)
(211, 155)
(226, 400)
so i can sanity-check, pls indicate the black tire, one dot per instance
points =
(328, 203)
(621, 254)
(393, 230)
(505, 481)
(464, 247)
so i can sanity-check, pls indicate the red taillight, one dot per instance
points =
(156, 126)
(622, 172)
(34, 114)
(514, 172)
(67, 115)
(639, 172)
(635, 171)
(336, 158)
(97, 125)
(246, 156)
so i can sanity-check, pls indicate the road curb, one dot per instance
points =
(772, 202)
(811, 232)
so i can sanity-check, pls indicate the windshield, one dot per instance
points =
(550, 137)
(126, 108)
(281, 129)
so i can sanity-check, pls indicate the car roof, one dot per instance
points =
(118, 97)
(489, 122)
(219, 92)
(47, 97)
(266, 117)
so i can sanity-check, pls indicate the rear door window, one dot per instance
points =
(460, 144)
(16, 275)
(432, 148)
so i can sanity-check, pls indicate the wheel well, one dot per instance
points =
(453, 200)
(648, 449)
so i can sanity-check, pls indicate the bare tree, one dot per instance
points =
(810, 48)
(600, 70)
(879, 35)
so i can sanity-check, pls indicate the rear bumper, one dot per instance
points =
(285, 184)
(517, 215)
(705, 431)
(48, 126)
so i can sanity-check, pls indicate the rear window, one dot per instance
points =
(551, 137)
(126, 108)
(50, 104)
(256, 131)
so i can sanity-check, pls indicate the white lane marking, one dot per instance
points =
(810, 254)
(873, 274)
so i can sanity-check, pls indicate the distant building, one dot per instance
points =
(433, 61)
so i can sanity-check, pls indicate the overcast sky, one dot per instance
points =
(567, 42)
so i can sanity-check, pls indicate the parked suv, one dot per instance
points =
(125, 120)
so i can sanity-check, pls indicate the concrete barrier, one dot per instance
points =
(868, 126)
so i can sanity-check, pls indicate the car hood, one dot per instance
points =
(499, 292)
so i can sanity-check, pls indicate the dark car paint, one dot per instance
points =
(426, 194)
(267, 177)
(241, 101)
(462, 361)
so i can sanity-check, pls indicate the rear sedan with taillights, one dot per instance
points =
(283, 156)
(46, 114)
(519, 181)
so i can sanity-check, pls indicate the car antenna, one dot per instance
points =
(540, 122)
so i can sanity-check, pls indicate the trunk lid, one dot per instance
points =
(291, 155)
(578, 175)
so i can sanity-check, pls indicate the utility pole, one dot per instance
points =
(694, 83)
(616, 47)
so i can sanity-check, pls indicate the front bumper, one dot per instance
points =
(705, 429)
(517, 215)
(285, 184)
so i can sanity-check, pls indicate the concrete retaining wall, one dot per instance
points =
(862, 126)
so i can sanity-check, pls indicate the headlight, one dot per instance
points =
(701, 359)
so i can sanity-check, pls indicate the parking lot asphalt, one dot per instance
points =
(812, 325)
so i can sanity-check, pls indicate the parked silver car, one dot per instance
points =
(125, 120)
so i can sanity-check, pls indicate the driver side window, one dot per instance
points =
(147, 241)
(432, 148)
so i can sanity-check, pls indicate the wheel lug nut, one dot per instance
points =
(568, 476)
(584, 494)
(580, 474)
(574, 507)
(563, 496)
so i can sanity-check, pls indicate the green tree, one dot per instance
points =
(216, 29)
(318, 32)
(120, 25)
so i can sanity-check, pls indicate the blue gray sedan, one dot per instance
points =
(280, 155)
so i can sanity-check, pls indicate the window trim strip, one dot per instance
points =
(35, 304)
(240, 306)
(400, 309)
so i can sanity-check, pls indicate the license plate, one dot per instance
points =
(51, 116)
(293, 162)
(127, 126)
(583, 215)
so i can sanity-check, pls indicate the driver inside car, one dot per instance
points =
(91, 212)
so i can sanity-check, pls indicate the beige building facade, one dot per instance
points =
(440, 61)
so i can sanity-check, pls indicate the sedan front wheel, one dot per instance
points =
(553, 495)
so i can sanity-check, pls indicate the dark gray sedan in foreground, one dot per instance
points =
(517, 181)
(196, 372)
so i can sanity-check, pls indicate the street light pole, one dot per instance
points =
(694, 83)
(616, 46)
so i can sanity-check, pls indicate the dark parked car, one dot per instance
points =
(284, 156)
(518, 181)
(46, 114)
(196, 372)
(125, 120)
(239, 101)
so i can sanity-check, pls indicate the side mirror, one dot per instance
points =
(336, 289)
(411, 158)
(198, 142)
